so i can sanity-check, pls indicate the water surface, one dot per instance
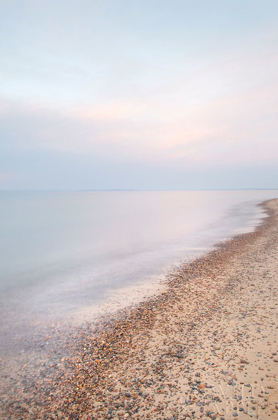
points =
(64, 253)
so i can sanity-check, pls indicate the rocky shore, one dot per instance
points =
(207, 347)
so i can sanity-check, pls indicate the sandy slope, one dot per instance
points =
(215, 349)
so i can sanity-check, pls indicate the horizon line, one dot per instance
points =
(138, 190)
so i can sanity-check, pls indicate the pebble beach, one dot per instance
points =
(206, 347)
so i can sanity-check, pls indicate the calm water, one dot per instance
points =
(62, 253)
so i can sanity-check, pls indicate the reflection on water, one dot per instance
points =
(61, 252)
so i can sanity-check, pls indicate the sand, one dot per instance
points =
(207, 347)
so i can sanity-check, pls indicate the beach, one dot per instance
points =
(206, 347)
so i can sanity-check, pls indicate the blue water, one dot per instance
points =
(63, 252)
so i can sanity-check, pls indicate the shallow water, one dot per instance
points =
(62, 254)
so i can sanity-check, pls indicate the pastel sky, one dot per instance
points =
(138, 94)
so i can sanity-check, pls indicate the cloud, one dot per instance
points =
(4, 175)
(8, 178)
(218, 131)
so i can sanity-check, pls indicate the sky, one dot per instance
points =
(138, 94)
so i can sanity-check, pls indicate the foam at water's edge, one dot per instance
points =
(131, 295)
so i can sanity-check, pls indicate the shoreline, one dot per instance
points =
(119, 299)
(140, 363)
(22, 329)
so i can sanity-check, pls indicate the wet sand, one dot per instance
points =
(207, 347)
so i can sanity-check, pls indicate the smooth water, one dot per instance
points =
(64, 252)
